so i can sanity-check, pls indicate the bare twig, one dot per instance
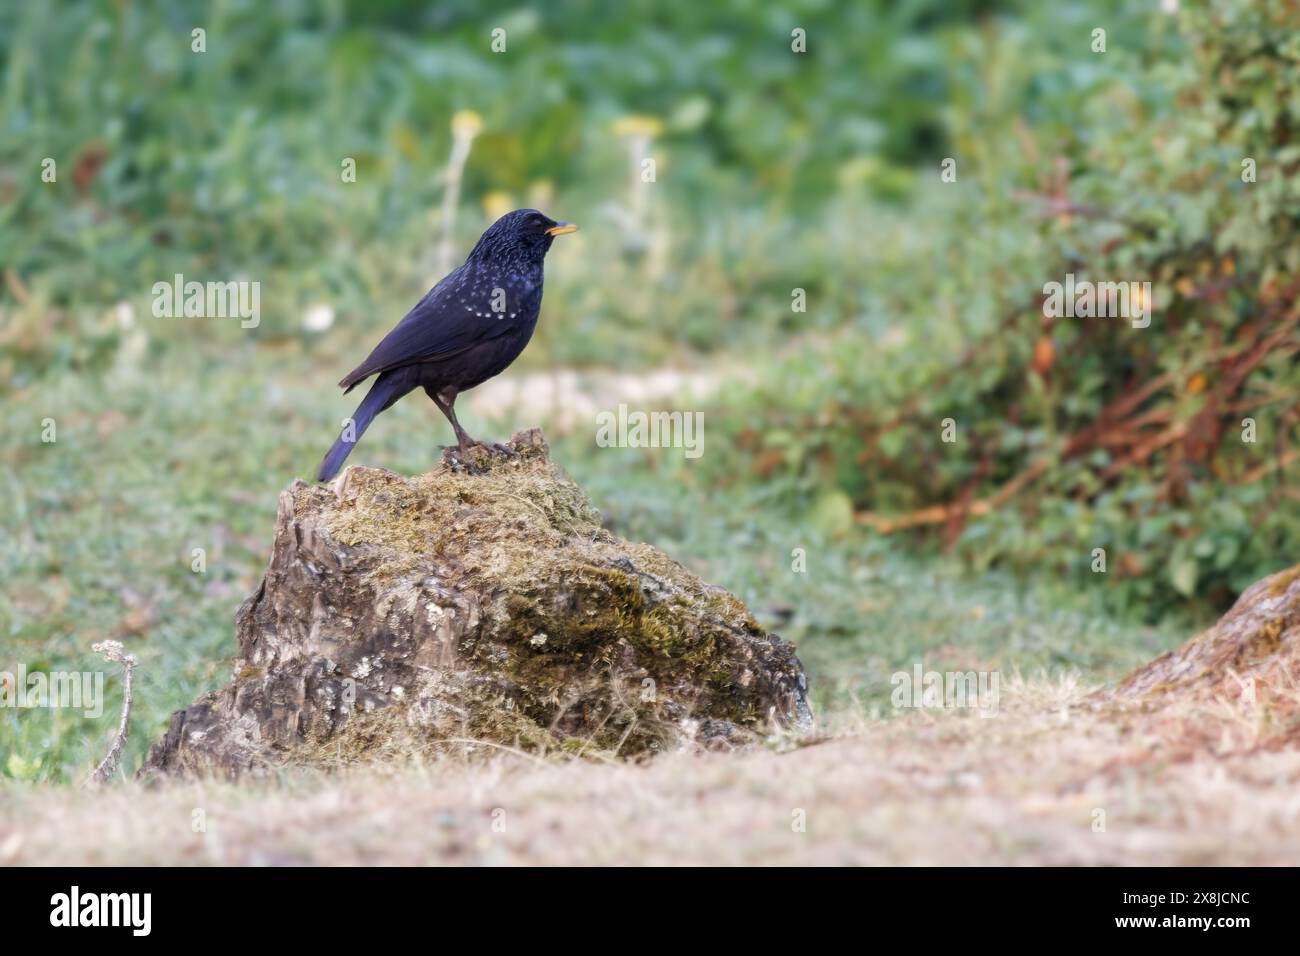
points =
(113, 651)
(939, 514)
(1063, 206)
(1275, 464)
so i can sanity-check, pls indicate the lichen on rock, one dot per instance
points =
(1240, 675)
(481, 602)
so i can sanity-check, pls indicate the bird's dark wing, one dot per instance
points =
(444, 324)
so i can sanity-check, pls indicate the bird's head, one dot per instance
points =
(524, 234)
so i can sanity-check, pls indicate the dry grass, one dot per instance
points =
(922, 788)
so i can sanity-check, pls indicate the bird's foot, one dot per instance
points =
(464, 443)
(475, 456)
(493, 447)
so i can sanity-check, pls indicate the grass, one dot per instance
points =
(159, 456)
(1057, 777)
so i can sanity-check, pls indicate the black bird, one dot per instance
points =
(468, 328)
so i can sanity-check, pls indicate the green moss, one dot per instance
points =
(1283, 580)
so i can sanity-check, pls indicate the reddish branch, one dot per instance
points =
(1125, 423)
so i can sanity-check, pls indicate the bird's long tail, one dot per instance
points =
(387, 389)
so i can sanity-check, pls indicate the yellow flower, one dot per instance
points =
(497, 203)
(637, 125)
(466, 124)
(541, 194)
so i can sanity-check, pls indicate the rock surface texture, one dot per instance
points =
(1236, 686)
(482, 602)
(1255, 645)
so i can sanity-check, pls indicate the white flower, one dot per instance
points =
(318, 317)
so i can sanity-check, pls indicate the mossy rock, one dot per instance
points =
(481, 603)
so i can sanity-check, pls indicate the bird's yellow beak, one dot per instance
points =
(561, 229)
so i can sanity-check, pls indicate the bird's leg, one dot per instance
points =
(446, 402)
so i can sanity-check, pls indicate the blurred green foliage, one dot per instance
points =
(1101, 435)
(227, 162)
